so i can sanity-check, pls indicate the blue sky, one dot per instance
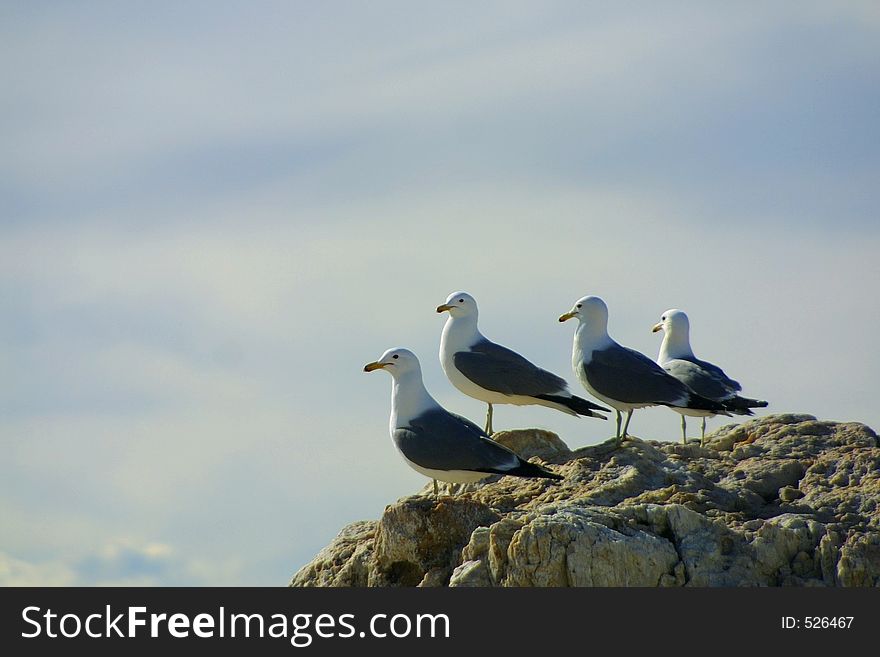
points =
(213, 214)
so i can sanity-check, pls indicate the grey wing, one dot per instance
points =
(499, 369)
(703, 381)
(630, 377)
(439, 440)
(716, 372)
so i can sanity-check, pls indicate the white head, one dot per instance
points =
(589, 311)
(459, 304)
(674, 322)
(396, 362)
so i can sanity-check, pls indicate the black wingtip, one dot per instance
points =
(698, 402)
(533, 470)
(577, 404)
(743, 405)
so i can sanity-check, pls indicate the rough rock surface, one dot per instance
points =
(783, 500)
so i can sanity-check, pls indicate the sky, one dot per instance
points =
(213, 214)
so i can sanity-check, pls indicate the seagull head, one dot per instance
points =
(395, 361)
(588, 310)
(674, 322)
(459, 304)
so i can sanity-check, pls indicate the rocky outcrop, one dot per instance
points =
(783, 500)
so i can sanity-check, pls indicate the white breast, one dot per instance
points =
(458, 336)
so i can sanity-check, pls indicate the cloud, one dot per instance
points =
(211, 231)
(16, 572)
(660, 95)
(122, 563)
(147, 424)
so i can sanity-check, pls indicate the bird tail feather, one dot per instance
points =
(528, 469)
(577, 405)
(743, 405)
(700, 403)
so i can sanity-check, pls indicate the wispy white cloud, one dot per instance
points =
(17, 572)
(120, 563)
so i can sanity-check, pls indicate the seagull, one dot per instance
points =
(677, 358)
(621, 377)
(494, 374)
(439, 444)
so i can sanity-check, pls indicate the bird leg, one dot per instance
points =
(684, 438)
(617, 435)
(436, 491)
(489, 421)
(629, 415)
(703, 433)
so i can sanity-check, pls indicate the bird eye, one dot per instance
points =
(663, 319)
(395, 356)
(579, 305)
(461, 300)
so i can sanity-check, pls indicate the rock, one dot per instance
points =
(344, 562)
(766, 477)
(784, 500)
(435, 577)
(419, 535)
(573, 547)
(859, 563)
(529, 443)
(789, 494)
(471, 573)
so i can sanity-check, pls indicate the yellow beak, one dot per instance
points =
(369, 367)
(657, 327)
(566, 317)
(444, 307)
